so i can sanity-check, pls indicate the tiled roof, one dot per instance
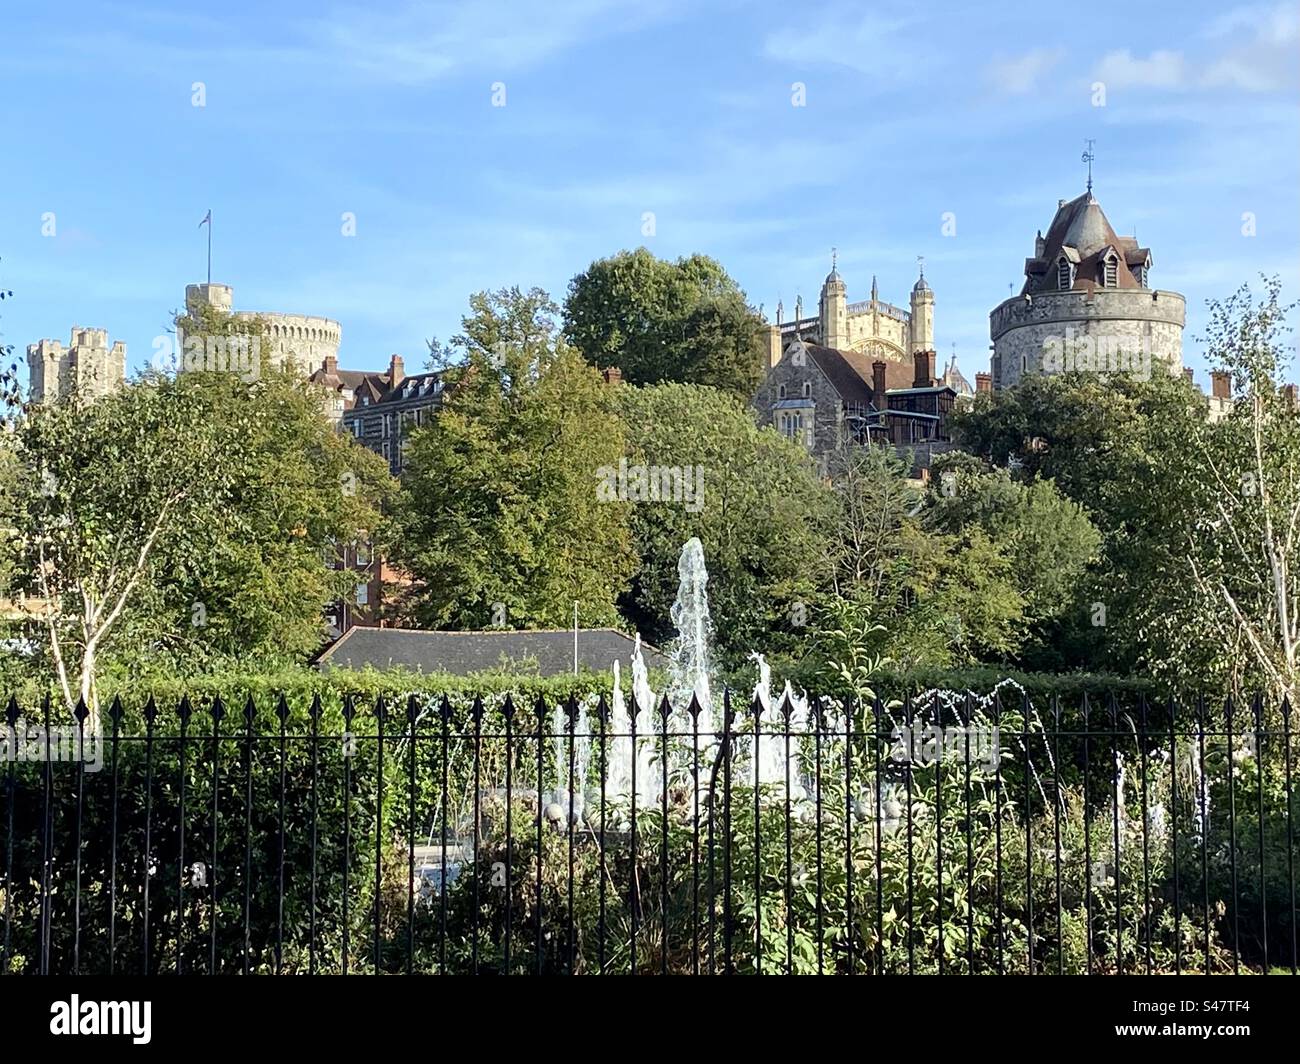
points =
(1081, 233)
(547, 652)
(850, 372)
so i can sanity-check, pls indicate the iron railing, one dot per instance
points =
(940, 833)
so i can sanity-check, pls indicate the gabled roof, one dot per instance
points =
(1081, 234)
(850, 372)
(549, 652)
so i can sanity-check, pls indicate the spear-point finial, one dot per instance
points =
(920, 262)
(834, 259)
(1088, 156)
(874, 295)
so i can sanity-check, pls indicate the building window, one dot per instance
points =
(780, 391)
(1064, 275)
(1110, 272)
(363, 594)
(1140, 273)
(807, 389)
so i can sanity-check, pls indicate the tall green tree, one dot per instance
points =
(1048, 540)
(755, 502)
(499, 519)
(928, 596)
(185, 522)
(685, 321)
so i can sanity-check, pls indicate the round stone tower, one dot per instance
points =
(1086, 305)
(298, 340)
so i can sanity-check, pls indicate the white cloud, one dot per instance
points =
(870, 44)
(423, 41)
(1161, 69)
(1021, 74)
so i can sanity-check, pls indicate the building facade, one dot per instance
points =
(860, 372)
(1087, 304)
(88, 367)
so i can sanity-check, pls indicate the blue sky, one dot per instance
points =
(614, 109)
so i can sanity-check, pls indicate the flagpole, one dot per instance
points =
(209, 246)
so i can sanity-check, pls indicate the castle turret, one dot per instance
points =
(1087, 305)
(87, 367)
(834, 310)
(922, 324)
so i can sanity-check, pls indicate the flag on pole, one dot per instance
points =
(207, 218)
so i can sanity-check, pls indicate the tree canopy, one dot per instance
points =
(657, 321)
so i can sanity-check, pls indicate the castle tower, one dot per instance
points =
(922, 323)
(834, 310)
(88, 367)
(1086, 305)
(302, 342)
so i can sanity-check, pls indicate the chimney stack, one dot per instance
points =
(1290, 396)
(396, 371)
(612, 375)
(331, 366)
(924, 369)
(878, 384)
(983, 382)
(1190, 374)
(1220, 384)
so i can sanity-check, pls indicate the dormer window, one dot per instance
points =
(1110, 271)
(780, 391)
(807, 389)
(1064, 274)
(1140, 273)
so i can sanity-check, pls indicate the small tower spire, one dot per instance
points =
(780, 309)
(874, 294)
(1088, 156)
(834, 259)
(920, 262)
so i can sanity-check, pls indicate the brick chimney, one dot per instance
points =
(612, 375)
(1220, 384)
(331, 365)
(396, 371)
(924, 369)
(1190, 374)
(1290, 396)
(878, 383)
(984, 382)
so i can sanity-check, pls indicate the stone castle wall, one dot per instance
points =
(1133, 321)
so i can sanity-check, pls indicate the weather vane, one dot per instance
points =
(1088, 156)
(920, 262)
(834, 259)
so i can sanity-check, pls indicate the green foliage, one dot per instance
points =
(179, 523)
(499, 500)
(761, 517)
(937, 598)
(684, 321)
(1046, 539)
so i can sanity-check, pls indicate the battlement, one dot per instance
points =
(88, 365)
(301, 340)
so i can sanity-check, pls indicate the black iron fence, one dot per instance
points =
(943, 833)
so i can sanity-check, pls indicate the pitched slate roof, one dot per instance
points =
(850, 372)
(545, 652)
(1081, 233)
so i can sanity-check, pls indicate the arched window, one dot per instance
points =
(807, 389)
(780, 391)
